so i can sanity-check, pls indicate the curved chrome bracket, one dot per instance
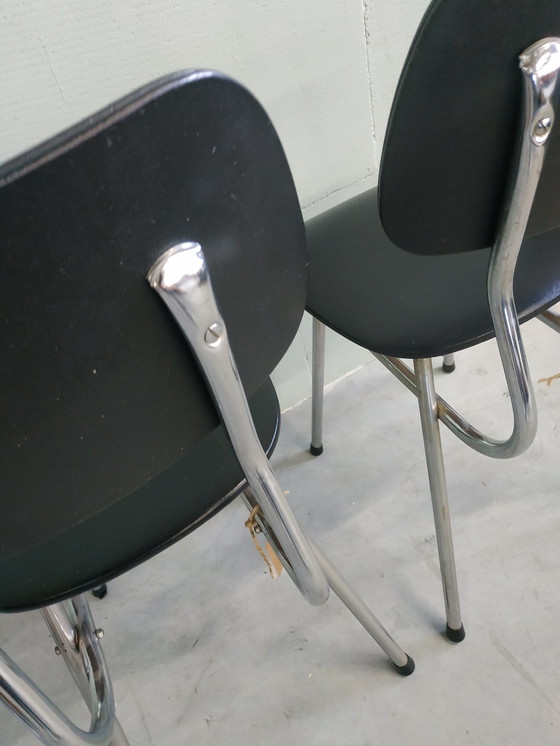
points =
(540, 64)
(180, 276)
(77, 639)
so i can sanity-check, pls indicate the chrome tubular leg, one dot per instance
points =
(317, 386)
(62, 620)
(448, 365)
(32, 706)
(402, 662)
(436, 472)
(551, 319)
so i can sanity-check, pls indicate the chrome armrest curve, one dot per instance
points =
(180, 277)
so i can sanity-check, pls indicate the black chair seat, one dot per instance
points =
(408, 305)
(134, 528)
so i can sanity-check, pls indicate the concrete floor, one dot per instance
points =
(205, 648)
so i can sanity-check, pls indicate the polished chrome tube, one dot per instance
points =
(438, 489)
(540, 64)
(181, 278)
(63, 624)
(353, 602)
(362, 613)
(551, 319)
(317, 387)
(32, 706)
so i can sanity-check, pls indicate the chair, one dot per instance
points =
(423, 265)
(112, 447)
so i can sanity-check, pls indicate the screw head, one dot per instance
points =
(99, 633)
(541, 130)
(213, 335)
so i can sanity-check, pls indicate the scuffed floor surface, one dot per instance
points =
(206, 649)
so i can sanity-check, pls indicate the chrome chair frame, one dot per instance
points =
(551, 319)
(540, 65)
(181, 278)
(77, 641)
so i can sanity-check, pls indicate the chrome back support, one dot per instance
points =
(540, 65)
(180, 276)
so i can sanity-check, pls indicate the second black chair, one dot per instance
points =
(424, 265)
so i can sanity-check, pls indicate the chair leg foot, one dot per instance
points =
(316, 450)
(100, 592)
(77, 640)
(455, 635)
(402, 662)
(448, 365)
(407, 669)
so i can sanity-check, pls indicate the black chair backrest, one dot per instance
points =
(452, 131)
(100, 391)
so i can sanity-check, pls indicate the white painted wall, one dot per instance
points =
(325, 71)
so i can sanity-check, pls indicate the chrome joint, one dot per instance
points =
(71, 626)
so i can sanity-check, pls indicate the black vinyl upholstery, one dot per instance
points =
(408, 305)
(160, 512)
(101, 395)
(452, 130)
(395, 269)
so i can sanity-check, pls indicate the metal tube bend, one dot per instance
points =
(180, 277)
(35, 709)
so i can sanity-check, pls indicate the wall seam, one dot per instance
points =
(367, 38)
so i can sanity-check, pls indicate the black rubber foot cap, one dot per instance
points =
(100, 592)
(448, 368)
(315, 450)
(408, 667)
(455, 635)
